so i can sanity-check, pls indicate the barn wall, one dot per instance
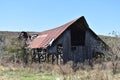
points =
(64, 39)
(92, 44)
(81, 53)
(77, 56)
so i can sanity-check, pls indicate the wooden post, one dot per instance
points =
(39, 55)
(57, 58)
(52, 58)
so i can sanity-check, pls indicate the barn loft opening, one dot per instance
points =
(77, 36)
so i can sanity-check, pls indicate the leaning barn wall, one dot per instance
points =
(92, 44)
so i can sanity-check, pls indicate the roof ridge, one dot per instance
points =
(60, 26)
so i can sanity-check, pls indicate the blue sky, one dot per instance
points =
(103, 16)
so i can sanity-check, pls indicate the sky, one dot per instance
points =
(103, 16)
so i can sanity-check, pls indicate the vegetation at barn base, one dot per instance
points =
(46, 71)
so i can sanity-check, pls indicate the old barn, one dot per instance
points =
(73, 41)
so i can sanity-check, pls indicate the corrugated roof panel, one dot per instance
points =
(38, 40)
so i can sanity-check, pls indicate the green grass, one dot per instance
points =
(25, 74)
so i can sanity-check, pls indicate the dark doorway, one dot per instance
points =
(77, 36)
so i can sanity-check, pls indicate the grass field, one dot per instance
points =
(54, 73)
(7, 73)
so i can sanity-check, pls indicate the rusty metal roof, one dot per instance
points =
(46, 37)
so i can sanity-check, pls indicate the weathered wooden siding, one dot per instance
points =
(64, 39)
(81, 53)
(93, 44)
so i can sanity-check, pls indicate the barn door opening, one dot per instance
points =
(60, 53)
(77, 36)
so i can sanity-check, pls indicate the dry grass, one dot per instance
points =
(98, 72)
(46, 71)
